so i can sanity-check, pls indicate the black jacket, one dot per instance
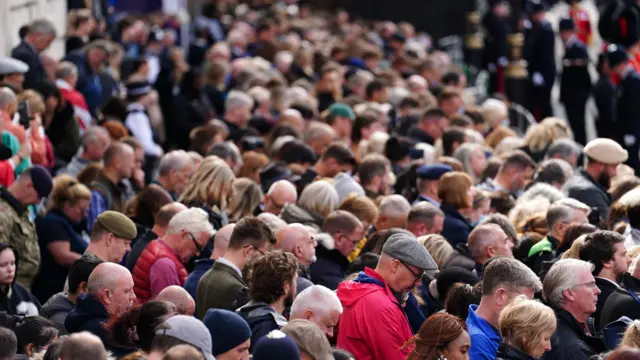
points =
(456, 228)
(570, 340)
(606, 289)
(575, 82)
(262, 319)
(621, 303)
(536, 261)
(628, 111)
(539, 51)
(28, 54)
(583, 187)
(330, 268)
(604, 94)
(508, 352)
(15, 299)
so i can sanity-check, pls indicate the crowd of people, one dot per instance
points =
(302, 185)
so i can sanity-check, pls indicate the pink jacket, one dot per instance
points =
(373, 325)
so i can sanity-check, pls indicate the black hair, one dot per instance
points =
(340, 153)
(375, 85)
(451, 78)
(79, 273)
(339, 354)
(53, 351)
(361, 122)
(35, 330)
(296, 152)
(460, 296)
(397, 148)
(8, 344)
(48, 89)
(599, 247)
(550, 172)
(141, 320)
(450, 137)
(367, 260)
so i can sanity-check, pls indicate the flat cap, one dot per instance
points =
(433, 171)
(118, 224)
(342, 110)
(11, 66)
(606, 151)
(408, 249)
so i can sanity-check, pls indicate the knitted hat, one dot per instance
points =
(41, 180)
(227, 329)
(276, 345)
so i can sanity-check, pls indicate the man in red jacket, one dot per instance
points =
(373, 325)
(161, 264)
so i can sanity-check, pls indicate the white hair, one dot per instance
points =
(375, 145)
(508, 144)
(541, 190)
(429, 152)
(563, 275)
(238, 99)
(193, 220)
(316, 298)
(397, 94)
(395, 206)
(175, 160)
(494, 110)
(273, 221)
(66, 69)
(417, 82)
(7, 96)
(318, 130)
(283, 185)
(319, 196)
(283, 58)
(574, 204)
(236, 36)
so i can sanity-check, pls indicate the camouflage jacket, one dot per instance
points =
(17, 230)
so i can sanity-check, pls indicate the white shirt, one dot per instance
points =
(140, 126)
(230, 264)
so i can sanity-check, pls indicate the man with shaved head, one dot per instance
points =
(110, 294)
(282, 192)
(220, 245)
(487, 241)
(297, 240)
(180, 298)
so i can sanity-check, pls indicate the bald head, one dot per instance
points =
(297, 239)
(487, 241)
(179, 297)
(104, 276)
(112, 285)
(280, 193)
(221, 241)
(83, 345)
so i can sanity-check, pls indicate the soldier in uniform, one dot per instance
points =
(575, 85)
(628, 108)
(539, 50)
(496, 26)
(16, 227)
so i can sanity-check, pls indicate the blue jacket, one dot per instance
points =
(202, 266)
(455, 229)
(88, 81)
(485, 339)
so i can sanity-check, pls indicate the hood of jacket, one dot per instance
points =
(56, 304)
(256, 309)
(88, 308)
(295, 214)
(367, 282)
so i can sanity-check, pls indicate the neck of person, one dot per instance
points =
(486, 311)
(278, 305)
(608, 274)
(577, 314)
(503, 181)
(99, 250)
(159, 230)
(72, 297)
(164, 182)
(431, 194)
(235, 257)
(112, 174)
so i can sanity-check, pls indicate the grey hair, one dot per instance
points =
(505, 224)
(238, 99)
(193, 220)
(7, 96)
(563, 209)
(42, 26)
(482, 236)
(563, 275)
(66, 69)
(504, 271)
(319, 196)
(259, 94)
(541, 190)
(463, 153)
(563, 149)
(274, 222)
(424, 211)
(395, 206)
(360, 78)
(316, 298)
(94, 133)
(174, 160)
(318, 130)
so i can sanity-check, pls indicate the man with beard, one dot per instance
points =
(373, 324)
(589, 185)
(272, 287)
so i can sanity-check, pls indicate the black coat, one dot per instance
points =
(583, 187)
(604, 94)
(330, 268)
(36, 74)
(606, 289)
(621, 303)
(456, 228)
(575, 82)
(628, 113)
(570, 340)
(508, 352)
(262, 319)
(539, 51)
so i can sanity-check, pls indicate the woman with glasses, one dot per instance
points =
(61, 235)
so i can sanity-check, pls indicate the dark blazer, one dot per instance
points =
(606, 289)
(456, 229)
(539, 51)
(583, 187)
(575, 82)
(570, 340)
(508, 352)
(220, 288)
(36, 74)
(621, 303)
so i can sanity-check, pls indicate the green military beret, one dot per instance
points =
(118, 224)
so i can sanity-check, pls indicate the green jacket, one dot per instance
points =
(220, 288)
(543, 245)
(10, 141)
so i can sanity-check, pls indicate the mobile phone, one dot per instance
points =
(24, 112)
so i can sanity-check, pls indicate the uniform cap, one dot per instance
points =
(606, 151)
(118, 224)
(433, 171)
(11, 66)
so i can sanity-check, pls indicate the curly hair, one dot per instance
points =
(268, 275)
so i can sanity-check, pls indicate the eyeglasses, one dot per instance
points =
(256, 249)
(590, 285)
(418, 276)
(195, 243)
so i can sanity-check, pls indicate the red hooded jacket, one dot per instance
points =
(373, 325)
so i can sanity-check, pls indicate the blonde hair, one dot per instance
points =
(437, 246)
(360, 206)
(320, 197)
(67, 188)
(210, 185)
(631, 336)
(633, 252)
(453, 188)
(523, 322)
(247, 195)
(539, 136)
(34, 99)
(574, 250)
